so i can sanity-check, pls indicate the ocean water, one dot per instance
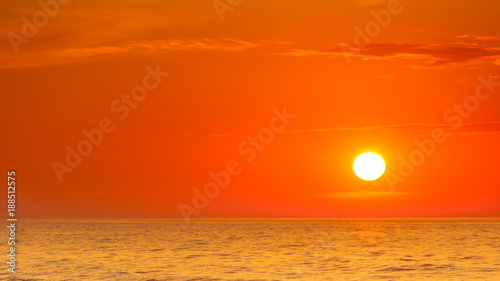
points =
(256, 250)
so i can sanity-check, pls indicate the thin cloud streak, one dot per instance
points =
(142, 47)
(468, 128)
(366, 194)
(477, 37)
(106, 52)
(429, 55)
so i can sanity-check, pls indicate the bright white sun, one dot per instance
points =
(369, 166)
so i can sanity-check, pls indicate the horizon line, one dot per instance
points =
(398, 218)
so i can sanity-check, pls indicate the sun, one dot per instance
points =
(369, 166)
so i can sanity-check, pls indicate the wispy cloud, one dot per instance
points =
(418, 128)
(366, 194)
(477, 37)
(415, 55)
(144, 47)
(466, 129)
(138, 47)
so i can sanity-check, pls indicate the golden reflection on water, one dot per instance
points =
(259, 250)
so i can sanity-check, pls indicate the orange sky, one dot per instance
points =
(226, 80)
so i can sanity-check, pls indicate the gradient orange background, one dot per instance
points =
(225, 79)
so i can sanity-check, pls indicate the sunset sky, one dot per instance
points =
(231, 74)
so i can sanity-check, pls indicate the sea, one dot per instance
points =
(256, 249)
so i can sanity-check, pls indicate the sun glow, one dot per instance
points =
(369, 166)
